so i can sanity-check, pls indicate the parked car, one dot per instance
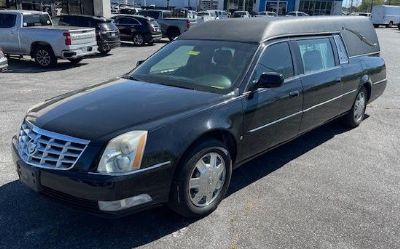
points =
(3, 61)
(128, 9)
(296, 13)
(366, 14)
(107, 34)
(267, 13)
(138, 29)
(172, 130)
(386, 15)
(205, 16)
(241, 14)
(31, 33)
(170, 27)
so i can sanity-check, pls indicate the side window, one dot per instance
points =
(7, 21)
(343, 58)
(276, 58)
(316, 54)
(132, 21)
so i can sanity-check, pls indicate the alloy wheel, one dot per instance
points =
(207, 179)
(359, 106)
(138, 39)
(43, 57)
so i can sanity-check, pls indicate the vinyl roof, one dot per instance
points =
(260, 29)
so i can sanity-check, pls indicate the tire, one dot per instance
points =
(44, 56)
(210, 184)
(390, 25)
(172, 34)
(104, 50)
(138, 39)
(356, 115)
(75, 60)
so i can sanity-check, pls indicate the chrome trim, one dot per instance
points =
(330, 100)
(274, 122)
(300, 112)
(359, 55)
(379, 82)
(132, 172)
(47, 142)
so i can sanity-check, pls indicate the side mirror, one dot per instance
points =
(139, 63)
(270, 80)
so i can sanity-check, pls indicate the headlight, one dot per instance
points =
(123, 153)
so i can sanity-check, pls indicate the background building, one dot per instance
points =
(311, 7)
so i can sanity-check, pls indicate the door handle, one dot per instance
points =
(294, 93)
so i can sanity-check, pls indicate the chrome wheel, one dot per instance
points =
(207, 179)
(138, 39)
(359, 107)
(43, 57)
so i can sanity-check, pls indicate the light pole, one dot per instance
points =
(277, 7)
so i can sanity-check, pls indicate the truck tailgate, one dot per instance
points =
(83, 36)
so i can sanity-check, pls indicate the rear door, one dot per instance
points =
(321, 80)
(272, 116)
(127, 26)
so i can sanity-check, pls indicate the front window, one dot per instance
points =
(37, 20)
(215, 66)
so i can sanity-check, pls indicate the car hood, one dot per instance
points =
(108, 108)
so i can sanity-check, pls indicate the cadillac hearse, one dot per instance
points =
(172, 130)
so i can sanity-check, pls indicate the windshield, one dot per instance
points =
(215, 66)
(37, 20)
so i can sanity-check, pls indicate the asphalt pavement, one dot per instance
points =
(331, 188)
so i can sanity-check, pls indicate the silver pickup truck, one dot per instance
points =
(170, 27)
(32, 33)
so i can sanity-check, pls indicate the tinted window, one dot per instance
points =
(343, 59)
(7, 20)
(37, 20)
(129, 21)
(276, 58)
(152, 14)
(198, 64)
(316, 54)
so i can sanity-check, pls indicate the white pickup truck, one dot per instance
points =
(32, 33)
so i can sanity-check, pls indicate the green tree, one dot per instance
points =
(366, 5)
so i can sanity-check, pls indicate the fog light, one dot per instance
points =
(124, 203)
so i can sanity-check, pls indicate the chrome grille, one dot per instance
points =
(46, 149)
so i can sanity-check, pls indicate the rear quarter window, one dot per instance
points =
(7, 20)
(343, 57)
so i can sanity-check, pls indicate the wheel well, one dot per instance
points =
(37, 44)
(221, 135)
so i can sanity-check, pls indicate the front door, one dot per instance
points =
(272, 116)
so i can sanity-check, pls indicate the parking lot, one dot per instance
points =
(331, 188)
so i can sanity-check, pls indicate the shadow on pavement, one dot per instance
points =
(27, 65)
(28, 220)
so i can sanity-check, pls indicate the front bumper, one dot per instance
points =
(84, 190)
(79, 52)
(3, 64)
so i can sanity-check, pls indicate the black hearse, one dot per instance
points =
(172, 130)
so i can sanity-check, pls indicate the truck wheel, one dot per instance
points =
(390, 25)
(44, 56)
(75, 61)
(202, 180)
(138, 39)
(356, 115)
(173, 33)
